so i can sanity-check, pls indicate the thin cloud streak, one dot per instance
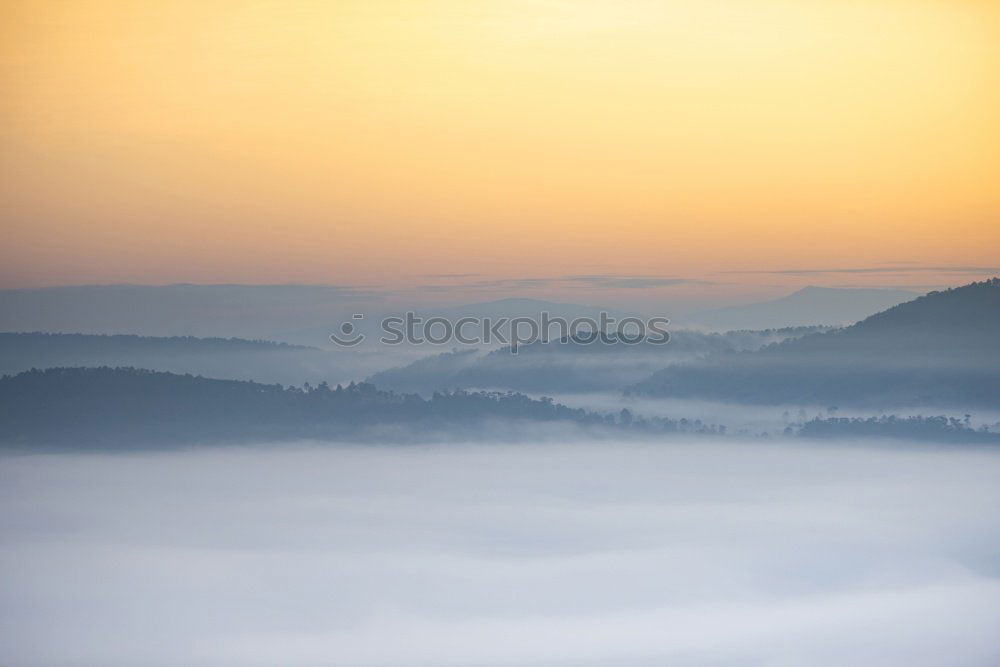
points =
(577, 281)
(878, 269)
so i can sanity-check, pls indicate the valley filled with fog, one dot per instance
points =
(462, 333)
(681, 551)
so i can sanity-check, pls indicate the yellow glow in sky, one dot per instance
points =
(371, 141)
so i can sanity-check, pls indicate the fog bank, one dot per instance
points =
(630, 554)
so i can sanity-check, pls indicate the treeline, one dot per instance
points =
(849, 382)
(132, 408)
(938, 429)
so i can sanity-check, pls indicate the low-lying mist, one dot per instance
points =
(754, 420)
(684, 552)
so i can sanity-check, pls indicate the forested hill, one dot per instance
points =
(940, 349)
(129, 408)
(953, 310)
(954, 325)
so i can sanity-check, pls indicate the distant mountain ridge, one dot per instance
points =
(298, 314)
(120, 342)
(493, 310)
(246, 311)
(807, 306)
(229, 358)
(568, 365)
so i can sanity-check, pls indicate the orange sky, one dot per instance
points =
(371, 142)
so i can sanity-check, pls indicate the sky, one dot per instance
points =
(695, 146)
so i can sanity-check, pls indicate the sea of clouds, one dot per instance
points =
(683, 552)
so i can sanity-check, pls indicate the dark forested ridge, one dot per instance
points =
(127, 407)
(939, 349)
(959, 326)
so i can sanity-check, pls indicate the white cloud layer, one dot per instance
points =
(632, 555)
